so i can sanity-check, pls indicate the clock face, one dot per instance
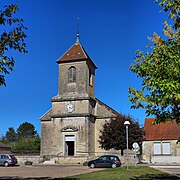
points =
(70, 107)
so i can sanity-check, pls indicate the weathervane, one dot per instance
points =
(78, 35)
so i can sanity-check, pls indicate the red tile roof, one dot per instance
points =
(162, 131)
(74, 53)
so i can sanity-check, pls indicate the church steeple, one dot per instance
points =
(76, 73)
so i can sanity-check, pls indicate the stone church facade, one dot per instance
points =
(71, 128)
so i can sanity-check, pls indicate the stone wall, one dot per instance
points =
(59, 109)
(165, 159)
(71, 160)
(22, 159)
(35, 159)
(83, 160)
(47, 135)
(74, 90)
(54, 132)
(98, 127)
(148, 152)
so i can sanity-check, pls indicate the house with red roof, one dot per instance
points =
(161, 142)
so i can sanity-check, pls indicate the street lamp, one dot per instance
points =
(127, 123)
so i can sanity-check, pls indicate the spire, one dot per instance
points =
(78, 38)
(78, 35)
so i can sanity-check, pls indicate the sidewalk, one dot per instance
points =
(160, 164)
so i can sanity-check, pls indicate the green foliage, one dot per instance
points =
(113, 133)
(24, 140)
(12, 37)
(26, 130)
(3, 139)
(159, 69)
(11, 135)
(173, 8)
(26, 145)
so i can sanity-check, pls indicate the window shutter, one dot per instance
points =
(166, 148)
(157, 148)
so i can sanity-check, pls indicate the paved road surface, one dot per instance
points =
(42, 172)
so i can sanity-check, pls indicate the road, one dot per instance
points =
(42, 172)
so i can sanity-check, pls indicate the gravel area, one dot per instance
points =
(42, 171)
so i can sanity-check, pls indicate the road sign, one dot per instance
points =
(135, 145)
(135, 148)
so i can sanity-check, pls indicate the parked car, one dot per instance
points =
(8, 159)
(105, 161)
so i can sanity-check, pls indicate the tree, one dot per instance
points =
(11, 135)
(159, 69)
(24, 140)
(26, 130)
(113, 133)
(12, 38)
(26, 145)
(3, 139)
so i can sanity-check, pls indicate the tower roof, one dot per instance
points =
(75, 53)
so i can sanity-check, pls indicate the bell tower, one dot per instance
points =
(76, 74)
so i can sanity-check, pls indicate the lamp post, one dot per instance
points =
(127, 123)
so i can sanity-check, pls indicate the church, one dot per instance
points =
(70, 130)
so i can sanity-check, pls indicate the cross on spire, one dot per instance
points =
(78, 34)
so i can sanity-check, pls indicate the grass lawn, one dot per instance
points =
(134, 173)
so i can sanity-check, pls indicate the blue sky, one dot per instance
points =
(110, 31)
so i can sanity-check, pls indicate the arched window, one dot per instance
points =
(72, 74)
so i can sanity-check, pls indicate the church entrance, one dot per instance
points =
(69, 145)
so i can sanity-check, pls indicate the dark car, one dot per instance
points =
(105, 161)
(8, 159)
